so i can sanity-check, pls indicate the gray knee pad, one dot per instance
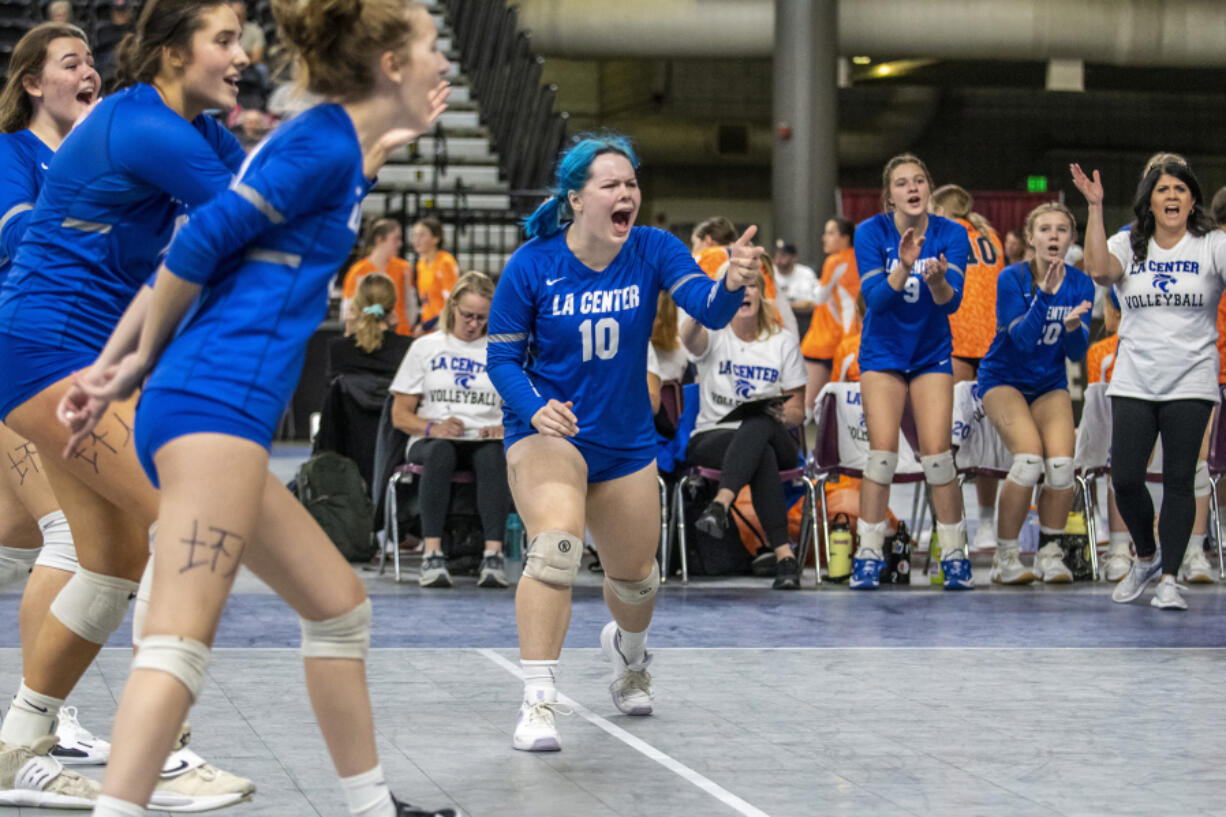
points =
(880, 466)
(1026, 470)
(554, 557)
(93, 605)
(639, 592)
(1202, 485)
(346, 636)
(1059, 472)
(939, 468)
(184, 658)
(58, 551)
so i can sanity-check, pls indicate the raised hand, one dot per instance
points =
(1092, 189)
(1072, 321)
(1053, 276)
(743, 263)
(556, 419)
(909, 248)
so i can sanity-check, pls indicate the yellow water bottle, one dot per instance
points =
(839, 566)
(936, 575)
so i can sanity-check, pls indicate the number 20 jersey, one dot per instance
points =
(561, 330)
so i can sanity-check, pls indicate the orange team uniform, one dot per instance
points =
(846, 359)
(1100, 359)
(974, 324)
(434, 283)
(712, 258)
(837, 317)
(400, 273)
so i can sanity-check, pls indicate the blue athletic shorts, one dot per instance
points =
(601, 465)
(945, 366)
(1029, 391)
(163, 415)
(31, 366)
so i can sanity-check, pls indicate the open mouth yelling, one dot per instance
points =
(622, 220)
(85, 96)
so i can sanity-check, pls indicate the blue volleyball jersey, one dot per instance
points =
(1031, 342)
(561, 330)
(264, 252)
(24, 159)
(905, 329)
(107, 210)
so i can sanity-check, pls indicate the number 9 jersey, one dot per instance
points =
(561, 330)
(905, 330)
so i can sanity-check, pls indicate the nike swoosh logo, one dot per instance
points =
(172, 772)
(551, 281)
(43, 166)
(34, 706)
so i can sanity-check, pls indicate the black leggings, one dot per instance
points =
(439, 459)
(1135, 426)
(751, 455)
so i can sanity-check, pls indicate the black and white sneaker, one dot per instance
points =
(434, 572)
(76, 745)
(493, 572)
(405, 810)
(713, 520)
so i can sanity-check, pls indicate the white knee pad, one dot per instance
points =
(1059, 471)
(58, 551)
(346, 636)
(1026, 470)
(93, 605)
(939, 468)
(554, 557)
(184, 658)
(1201, 485)
(880, 466)
(639, 592)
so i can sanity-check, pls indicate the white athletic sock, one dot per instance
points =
(633, 646)
(952, 539)
(1005, 544)
(32, 716)
(1196, 544)
(539, 678)
(872, 535)
(107, 806)
(488, 553)
(1119, 537)
(16, 563)
(367, 794)
(1046, 531)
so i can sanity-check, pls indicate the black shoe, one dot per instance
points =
(405, 810)
(713, 521)
(787, 574)
(765, 564)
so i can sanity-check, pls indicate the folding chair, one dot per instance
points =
(841, 449)
(795, 477)
(405, 474)
(1217, 467)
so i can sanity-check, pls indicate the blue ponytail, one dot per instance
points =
(573, 166)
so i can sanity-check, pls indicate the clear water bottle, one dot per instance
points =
(515, 536)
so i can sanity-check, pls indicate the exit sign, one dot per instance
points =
(1036, 184)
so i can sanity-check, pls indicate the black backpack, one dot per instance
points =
(333, 492)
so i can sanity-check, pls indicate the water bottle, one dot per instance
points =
(839, 568)
(936, 574)
(898, 557)
(515, 537)
(1076, 546)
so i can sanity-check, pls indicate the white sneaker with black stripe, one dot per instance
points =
(76, 745)
(189, 784)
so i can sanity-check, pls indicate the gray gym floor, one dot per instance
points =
(1001, 701)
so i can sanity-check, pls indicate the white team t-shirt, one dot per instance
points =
(801, 285)
(449, 374)
(1168, 331)
(667, 365)
(732, 371)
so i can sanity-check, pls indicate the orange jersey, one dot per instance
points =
(1100, 359)
(846, 359)
(974, 324)
(401, 275)
(434, 283)
(1221, 340)
(837, 316)
(712, 259)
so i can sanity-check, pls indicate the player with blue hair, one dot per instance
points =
(569, 329)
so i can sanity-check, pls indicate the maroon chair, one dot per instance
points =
(405, 473)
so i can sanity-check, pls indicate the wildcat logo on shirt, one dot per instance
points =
(743, 389)
(464, 379)
(598, 301)
(1163, 281)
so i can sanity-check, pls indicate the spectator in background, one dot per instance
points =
(437, 270)
(385, 242)
(107, 36)
(666, 360)
(252, 38)
(836, 313)
(1016, 249)
(370, 343)
(797, 282)
(449, 408)
(59, 11)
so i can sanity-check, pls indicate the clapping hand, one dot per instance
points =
(1053, 276)
(1072, 321)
